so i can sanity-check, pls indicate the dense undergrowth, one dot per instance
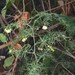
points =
(40, 43)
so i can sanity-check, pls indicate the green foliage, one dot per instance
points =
(41, 56)
(45, 46)
(34, 69)
(9, 61)
(3, 38)
(41, 53)
(46, 18)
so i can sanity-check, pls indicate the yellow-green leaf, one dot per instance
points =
(9, 61)
(3, 38)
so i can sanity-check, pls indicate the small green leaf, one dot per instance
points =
(3, 38)
(8, 62)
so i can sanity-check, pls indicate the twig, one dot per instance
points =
(67, 53)
(43, 5)
(68, 71)
(53, 26)
(5, 45)
(49, 29)
(53, 73)
(60, 64)
(14, 65)
(49, 5)
(33, 4)
(73, 7)
(17, 9)
(60, 6)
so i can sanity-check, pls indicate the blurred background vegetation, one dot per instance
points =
(37, 37)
